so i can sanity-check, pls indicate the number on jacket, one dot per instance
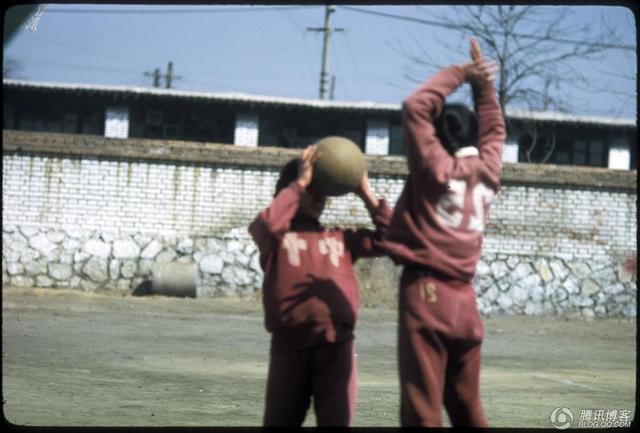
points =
(451, 205)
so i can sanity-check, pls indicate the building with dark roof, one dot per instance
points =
(251, 120)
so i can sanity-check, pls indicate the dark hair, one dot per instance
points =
(288, 174)
(456, 127)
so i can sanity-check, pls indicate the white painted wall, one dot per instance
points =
(510, 152)
(116, 123)
(619, 155)
(246, 131)
(377, 140)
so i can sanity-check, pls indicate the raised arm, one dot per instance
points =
(364, 242)
(491, 127)
(273, 222)
(425, 153)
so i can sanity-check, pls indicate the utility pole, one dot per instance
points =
(156, 76)
(329, 9)
(170, 77)
(333, 87)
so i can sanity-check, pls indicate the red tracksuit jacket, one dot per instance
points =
(310, 290)
(440, 216)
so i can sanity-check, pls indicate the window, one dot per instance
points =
(154, 117)
(170, 131)
(562, 157)
(580, 152)
(396, 145)
(298, 129)
(596, 153)
(7, 116)
(590, 152)
(70, 123)
(92, 121)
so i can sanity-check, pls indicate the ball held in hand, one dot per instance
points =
(339, 166)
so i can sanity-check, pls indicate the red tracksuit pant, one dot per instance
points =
(439, 340)
(326, 372)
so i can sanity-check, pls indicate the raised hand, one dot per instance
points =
(305, 166)
(476, 52)
(479, 69)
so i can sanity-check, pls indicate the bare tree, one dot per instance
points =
(536, 49)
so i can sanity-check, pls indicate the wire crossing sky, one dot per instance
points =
(269, 50)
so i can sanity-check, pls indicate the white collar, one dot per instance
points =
(466, 151)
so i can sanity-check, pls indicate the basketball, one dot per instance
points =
(338, 168)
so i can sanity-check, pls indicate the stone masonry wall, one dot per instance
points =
(92, 213)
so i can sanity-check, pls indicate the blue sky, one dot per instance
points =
(270, 52)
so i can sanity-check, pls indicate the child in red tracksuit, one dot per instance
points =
(436, 232)
(310, 297)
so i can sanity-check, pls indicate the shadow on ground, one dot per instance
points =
(80, 359)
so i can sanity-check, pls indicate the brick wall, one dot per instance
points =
(71, 202)
(126, 195)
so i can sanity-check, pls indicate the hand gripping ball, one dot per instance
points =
(339, 166)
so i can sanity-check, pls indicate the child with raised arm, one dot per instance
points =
(310, 297)
(436, 232)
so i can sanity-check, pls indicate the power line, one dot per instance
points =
(288, 15)
(172, 11)
(65, 65)
(85, 49)
(354, 63)
(460, 27)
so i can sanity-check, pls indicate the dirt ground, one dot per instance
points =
(78, 359)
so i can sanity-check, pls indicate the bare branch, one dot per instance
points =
(551, 148)
(534, 141)
(538, 56)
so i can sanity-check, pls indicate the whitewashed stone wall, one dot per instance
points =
(97, 224)
(78, 258)
(539, 285)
